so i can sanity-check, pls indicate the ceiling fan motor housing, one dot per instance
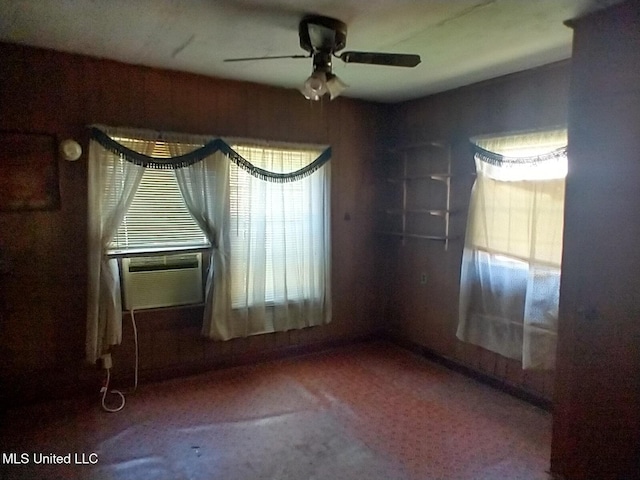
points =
(322, 34)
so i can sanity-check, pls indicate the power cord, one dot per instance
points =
(105, 389)
(107, 364)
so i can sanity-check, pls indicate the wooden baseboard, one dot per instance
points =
(456, 366)
(40, 387)
(38, 390)
(196, 368)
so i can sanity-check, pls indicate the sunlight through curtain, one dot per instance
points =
(112, 184)
(265, 212)
(510, 276)
(280, 244)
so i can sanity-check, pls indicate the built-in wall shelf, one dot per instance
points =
(435, 161)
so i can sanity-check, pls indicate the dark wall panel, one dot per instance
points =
(597, 417)
(427, 314)
(43, 279)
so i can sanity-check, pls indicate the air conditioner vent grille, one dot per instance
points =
(164, 262)
(162, 281)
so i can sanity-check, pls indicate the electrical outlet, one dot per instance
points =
(423, 278)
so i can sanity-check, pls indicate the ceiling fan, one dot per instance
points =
(322, 37)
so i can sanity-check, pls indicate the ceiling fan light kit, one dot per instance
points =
(335, 86)
(315, 86)
(322, 37)
(322, 80)
(320, 83)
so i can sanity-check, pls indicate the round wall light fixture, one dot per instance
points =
(70, 150)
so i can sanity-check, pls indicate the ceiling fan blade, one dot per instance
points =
(378, 58)
(264, 58)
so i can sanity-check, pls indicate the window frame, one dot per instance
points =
(166, 250)
(290, 148)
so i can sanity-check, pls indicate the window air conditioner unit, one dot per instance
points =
(162, 281)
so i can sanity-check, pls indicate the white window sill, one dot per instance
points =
(153, 251)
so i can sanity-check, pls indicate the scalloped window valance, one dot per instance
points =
(199, 154)
(499, 160)
(522, 156)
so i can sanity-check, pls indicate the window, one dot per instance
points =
(274, 227)
(519, 207)
(267, 235)
(157, 218)
(510, 277)
(277, 230)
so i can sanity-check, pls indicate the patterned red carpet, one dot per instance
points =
(367, 412)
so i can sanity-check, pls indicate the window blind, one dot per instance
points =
(275, 228)
(519, 212)
(157, 217)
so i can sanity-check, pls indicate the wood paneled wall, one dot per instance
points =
(596, 432)
(43, 291)
(427, 314)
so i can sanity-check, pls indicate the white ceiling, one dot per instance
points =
(460, 41)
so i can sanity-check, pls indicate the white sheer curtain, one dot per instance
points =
(510, 277)
(280, 245)
(270, 259)
(205, 190)
(112, 183)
